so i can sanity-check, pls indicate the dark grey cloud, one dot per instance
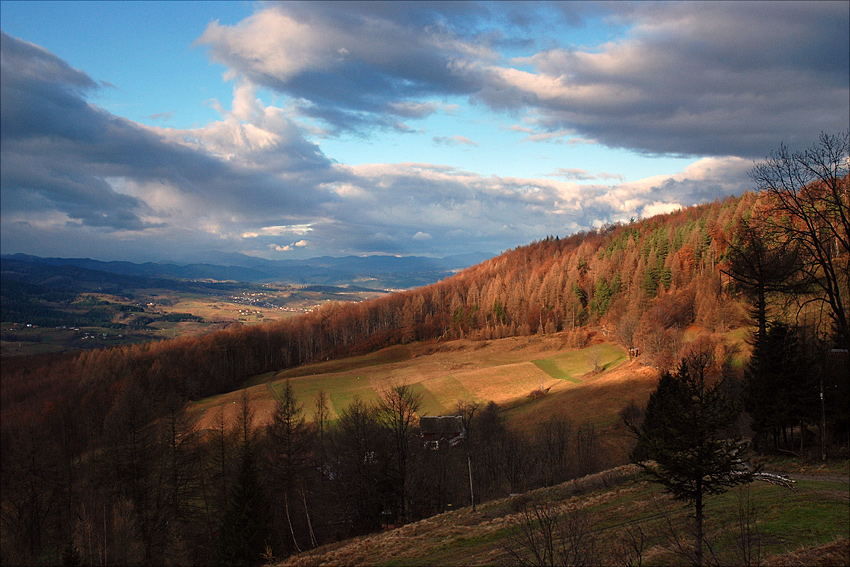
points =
(687, 78)
(252, 182)
(353, 63)
(60, 151)
(43, 111)
(31, 104)
(80, 181)
(717, 78)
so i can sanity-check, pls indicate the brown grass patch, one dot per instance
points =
(598, 401)
(836, 553)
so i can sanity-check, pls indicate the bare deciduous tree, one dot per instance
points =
(543, 536)
(632, 545)
(289, 458)
(397, 414)
(810, 196)
(553, 439)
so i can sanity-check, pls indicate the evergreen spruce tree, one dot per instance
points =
(71, 556)
(682, 443)
(771, 382)
(245, 530)
(655, 424)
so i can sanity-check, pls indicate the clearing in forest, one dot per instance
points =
(506, 371)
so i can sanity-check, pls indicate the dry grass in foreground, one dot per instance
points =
(831, 554)
(806, 527)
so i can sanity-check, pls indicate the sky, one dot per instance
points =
(165, 131)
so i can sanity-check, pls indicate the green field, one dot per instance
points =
(571, 365)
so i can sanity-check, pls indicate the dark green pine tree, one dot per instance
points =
(772, 383)
(71, 556)
(655, 425)
(682, 443)
(245, 530)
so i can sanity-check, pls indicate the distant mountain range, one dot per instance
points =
(366, 271)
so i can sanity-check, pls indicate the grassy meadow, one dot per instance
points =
(587, 385)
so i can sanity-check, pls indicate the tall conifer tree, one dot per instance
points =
(684, 443)
(245, 531)
(245, 528)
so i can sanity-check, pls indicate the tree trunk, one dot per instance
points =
(761, 312)
(289, 521)
(313, 540)
(698, 536)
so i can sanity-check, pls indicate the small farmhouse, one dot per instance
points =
(441, 430)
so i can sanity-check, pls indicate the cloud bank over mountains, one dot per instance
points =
(722, 82)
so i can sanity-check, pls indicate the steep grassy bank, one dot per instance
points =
(790, 528)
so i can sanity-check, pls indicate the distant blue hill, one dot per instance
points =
(367, 271)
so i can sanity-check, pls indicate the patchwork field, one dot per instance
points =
(587, 385)
(74, 320)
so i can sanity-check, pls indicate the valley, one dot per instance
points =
(425, 283)
(54, 308)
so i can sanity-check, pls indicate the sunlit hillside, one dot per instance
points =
(646, 283)
(532, 376)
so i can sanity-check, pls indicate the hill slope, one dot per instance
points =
(606, 508)
(506, 371)
(557, 314)
(648, 282)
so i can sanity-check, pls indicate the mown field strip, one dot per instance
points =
(551, 368)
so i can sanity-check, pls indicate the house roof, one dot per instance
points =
(441, 425)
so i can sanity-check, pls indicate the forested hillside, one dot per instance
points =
(100, 436)
(646, 282)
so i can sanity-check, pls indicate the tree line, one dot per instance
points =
(790, 258)
(794, 249)
(158, 491)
